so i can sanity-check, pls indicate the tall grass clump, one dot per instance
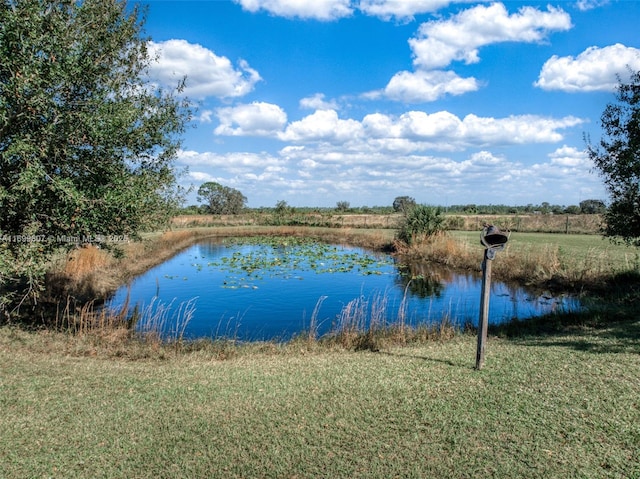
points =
(359, 321)
(159, 322)
(82, 275)
(81, 318)
(138, 332)
(86, 260)
(369, 324)
(442, 249)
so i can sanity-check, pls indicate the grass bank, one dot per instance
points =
(547, 223)
(549, 261)
(550, 406)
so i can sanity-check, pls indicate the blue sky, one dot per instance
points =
(319, 101)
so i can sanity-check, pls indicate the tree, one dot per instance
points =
(470, 209)
(222, 200)
(592, 207)
(87, 144)
(282, 207)
(617, 159)
(343, 206)
(545, 207)
(572, 210)
(402, 204)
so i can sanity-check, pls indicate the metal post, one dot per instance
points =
(493, 240)
(484, 309)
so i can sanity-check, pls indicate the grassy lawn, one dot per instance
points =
(590, 250)
(564, 405)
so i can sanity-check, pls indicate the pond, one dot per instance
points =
(275, 288)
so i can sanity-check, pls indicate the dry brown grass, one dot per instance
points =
(90, 274)
(541, 265)
(326, 219)
(575, 224)
(441, 249)
(86, 260)
(368, 324)
(121, 333)
(548, 223)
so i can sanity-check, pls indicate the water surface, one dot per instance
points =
(274, 289)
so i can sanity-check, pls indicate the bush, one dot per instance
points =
(421, 222)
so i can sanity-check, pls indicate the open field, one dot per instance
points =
(574, 224)
(579, 251)
(555, 406)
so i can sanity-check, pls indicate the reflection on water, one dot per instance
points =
(420, 281)
(270, 291)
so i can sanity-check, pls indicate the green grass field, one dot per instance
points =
(557, 406)
(572, 248)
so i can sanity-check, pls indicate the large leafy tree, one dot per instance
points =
(590, 207)
(617, 159)
(87, 143)
(402, 204)
(221, 200)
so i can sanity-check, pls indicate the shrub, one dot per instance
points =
(420, 222)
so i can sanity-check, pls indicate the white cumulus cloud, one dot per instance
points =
(324, 10)
(427, 86)
(570, 157)
(584, 5)
(254, 119)
(317, 102)
(595, 69)
(445, 131)
(201, 176)
(207, 74)
(323, 126)
(440, 42)
(409, 132)
(235, 163)
(516, 129)
(403, 10)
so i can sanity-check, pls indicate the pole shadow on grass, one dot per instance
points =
(609, 322)
(588, 331)
(423, 358)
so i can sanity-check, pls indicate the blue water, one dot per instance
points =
(278, 301)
